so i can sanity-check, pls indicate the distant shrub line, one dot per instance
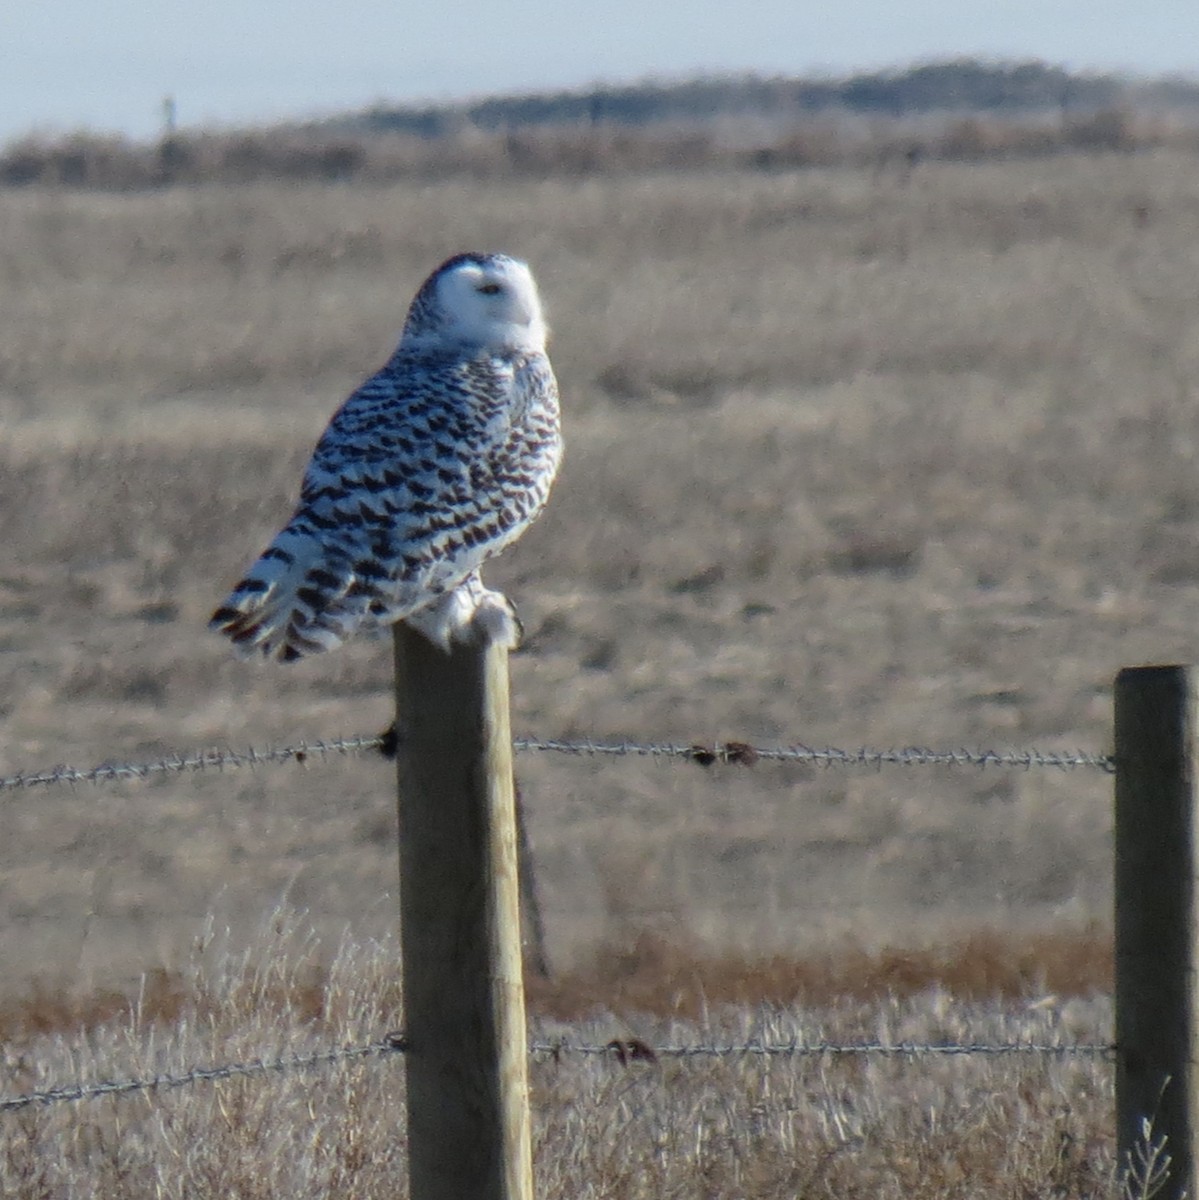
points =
(894, 145)
(960, 109)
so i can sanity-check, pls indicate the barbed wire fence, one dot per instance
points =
(704, 754)
(621, 1051)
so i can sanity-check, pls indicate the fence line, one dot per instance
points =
(700, 753)
(633, 1049)
(744, 754)
(284, 1065)
(623, 1051)
(184, 763)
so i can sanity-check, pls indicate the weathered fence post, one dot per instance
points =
(464, 1016)
(1157, 917)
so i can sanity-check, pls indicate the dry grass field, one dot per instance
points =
(852, 458)
(848, 1127)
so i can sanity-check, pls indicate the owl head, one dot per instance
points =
(479, 300)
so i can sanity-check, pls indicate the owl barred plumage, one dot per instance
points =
(431, 467)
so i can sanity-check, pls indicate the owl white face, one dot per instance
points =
(492, 301)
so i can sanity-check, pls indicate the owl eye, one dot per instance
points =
(489, 289)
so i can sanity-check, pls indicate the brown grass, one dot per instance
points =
(850, 461)
(842, 1126)
(852, 458)
(649, 974)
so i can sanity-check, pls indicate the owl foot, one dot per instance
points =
(495, 621)
(469, 615)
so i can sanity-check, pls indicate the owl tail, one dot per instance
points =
(281, 608)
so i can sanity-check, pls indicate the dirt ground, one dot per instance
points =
(852, 460)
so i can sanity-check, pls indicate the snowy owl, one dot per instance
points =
(430, 468)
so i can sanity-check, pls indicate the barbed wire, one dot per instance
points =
(744, 754)
(633, 1049)
(623, 1051)
(287, 1064)
(703, 754)
(192, 762)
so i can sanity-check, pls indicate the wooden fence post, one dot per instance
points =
(1157, 917)
(464, 1015)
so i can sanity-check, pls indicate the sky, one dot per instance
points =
(106, 65)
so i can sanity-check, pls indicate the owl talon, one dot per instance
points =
(495, 622)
